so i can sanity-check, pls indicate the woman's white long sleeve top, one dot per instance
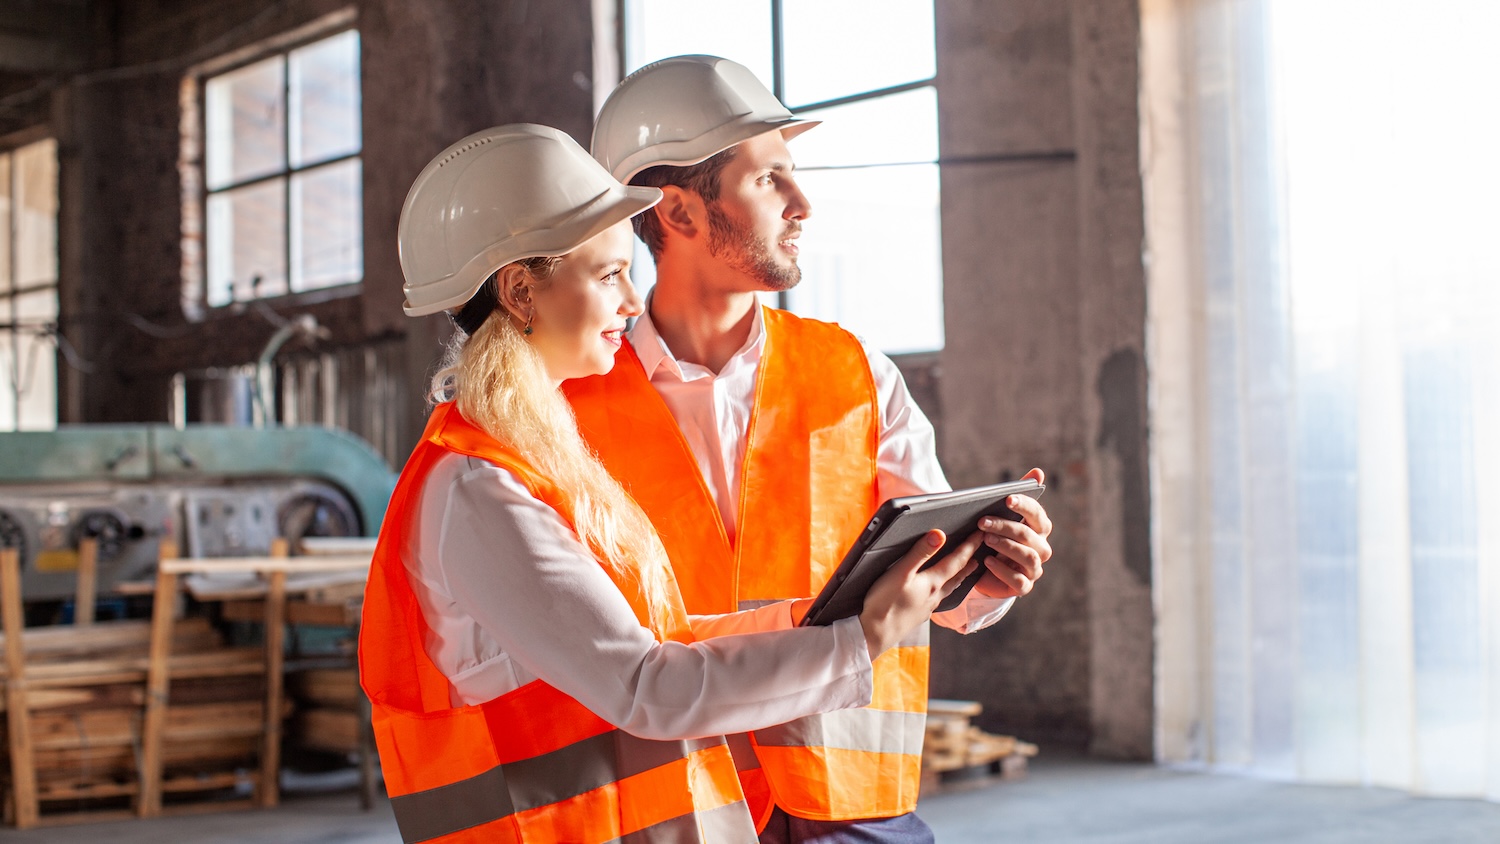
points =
(511, 595)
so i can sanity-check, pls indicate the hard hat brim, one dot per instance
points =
(610, 207)
(689, 152)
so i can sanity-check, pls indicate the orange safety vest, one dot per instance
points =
(807, 489)
(532, 765)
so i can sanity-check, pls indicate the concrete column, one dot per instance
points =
(1045, 318)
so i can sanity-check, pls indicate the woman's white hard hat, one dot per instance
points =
(497, 196)
(682, 110)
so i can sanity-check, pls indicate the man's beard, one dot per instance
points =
(737, 246)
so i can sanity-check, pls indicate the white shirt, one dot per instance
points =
(713, 412)
(510, 595)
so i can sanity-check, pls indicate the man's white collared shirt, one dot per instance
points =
(713, 412)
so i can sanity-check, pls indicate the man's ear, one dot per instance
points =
(514, 283)
(681, 211)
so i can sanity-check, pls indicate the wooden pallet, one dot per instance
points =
(955, 748)
(134, 718)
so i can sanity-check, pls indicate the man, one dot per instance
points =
(759, 442)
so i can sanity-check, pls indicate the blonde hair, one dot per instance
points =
(501, 385)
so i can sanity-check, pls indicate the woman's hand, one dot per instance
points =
(904, 597)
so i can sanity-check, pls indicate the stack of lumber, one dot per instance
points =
(84, 710)
(954, 746)
(328, 704)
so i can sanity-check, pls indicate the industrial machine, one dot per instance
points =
(215, 490)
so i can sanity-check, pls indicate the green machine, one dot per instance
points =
(216, 490)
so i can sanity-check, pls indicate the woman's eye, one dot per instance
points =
(612, 278)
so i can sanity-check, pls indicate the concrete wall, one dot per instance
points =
(1044, 300)
(432, 72)
(1044, 364)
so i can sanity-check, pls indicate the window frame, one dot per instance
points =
(778, 89)
(194, 155)
(10, 145)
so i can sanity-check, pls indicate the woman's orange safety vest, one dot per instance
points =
(807, 489)
(532, 765)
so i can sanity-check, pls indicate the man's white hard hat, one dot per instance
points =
(682, 110)
(497, 196)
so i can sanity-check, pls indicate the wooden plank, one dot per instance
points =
(22, 763)
(268, 794)
(197, 755)
(88, 562)
(338, 687)
(158, 678)
(122, 726)
(228, 662)
(297, 612)
(965, 708)
(265, 565)
(60, 643)
(334, 730)
(102, 728)
(211, 782)
(93, 791)
(83, 698)
(84, 764)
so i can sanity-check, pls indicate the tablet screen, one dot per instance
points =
(896, 526)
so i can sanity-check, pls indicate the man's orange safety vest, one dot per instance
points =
(532, 765)
(807, 489)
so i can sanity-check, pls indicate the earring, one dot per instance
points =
(527, 329)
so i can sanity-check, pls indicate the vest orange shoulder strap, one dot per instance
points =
(449, 430)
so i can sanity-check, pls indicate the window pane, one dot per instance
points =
(245, 116)
(848, 271)
(835, 48)
(5, 222)
(897, 129)
(327, 226)
(36, 214)
(735, 29)
(324, 94)
(37, 356)
(247, 243)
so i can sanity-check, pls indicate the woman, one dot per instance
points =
(532, 673)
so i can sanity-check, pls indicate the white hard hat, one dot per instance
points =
(682, 110)
(497, 196)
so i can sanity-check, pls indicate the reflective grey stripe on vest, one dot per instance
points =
(870, 730)
(755, 605)
(742, 751)
(730, 824)
(424, 815)
(539, 781)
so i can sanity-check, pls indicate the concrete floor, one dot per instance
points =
(1063, 801)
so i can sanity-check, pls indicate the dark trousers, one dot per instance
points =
(902, 829)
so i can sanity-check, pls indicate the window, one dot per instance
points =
(1326, 388)
(282, 202)
(871, 255)
(28, 286)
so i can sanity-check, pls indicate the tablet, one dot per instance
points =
(897, 526)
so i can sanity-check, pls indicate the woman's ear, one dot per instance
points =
(514, 283)
(680, 211)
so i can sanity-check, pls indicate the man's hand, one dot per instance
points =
(1020, 547)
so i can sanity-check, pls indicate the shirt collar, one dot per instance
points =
(654, 354)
